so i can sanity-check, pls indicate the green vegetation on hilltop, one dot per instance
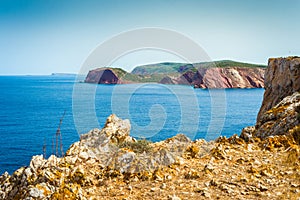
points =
(159, 68)
(118, 71)
(227, 63)
(143, 78)
(169, 68)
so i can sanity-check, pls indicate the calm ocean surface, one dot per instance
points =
(31, 107)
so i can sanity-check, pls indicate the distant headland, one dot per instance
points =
(63, 74)
(218, 74)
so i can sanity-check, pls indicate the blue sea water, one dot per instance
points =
(31, 107)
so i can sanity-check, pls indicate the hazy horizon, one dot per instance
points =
(151, 63)
(44, 37)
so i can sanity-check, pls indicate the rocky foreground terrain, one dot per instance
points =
(99, 167)
(262, 163)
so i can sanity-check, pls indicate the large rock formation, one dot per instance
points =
(229, 77)
(282, 119)
(282, 79)
(109, 152)
(280, 110)
(105, 76)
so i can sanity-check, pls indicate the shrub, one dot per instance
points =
(139, 146)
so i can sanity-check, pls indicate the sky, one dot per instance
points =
(52, 36)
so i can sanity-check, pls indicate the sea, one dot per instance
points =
(34, 108)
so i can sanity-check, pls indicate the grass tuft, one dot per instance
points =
(139, 146)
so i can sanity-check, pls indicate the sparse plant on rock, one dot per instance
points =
(139, 146)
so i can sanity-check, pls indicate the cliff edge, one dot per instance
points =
(280, 110)
(105, 76)
(282, 79)
(227, 77)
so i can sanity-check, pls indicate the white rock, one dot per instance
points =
(83, 155)
(174, 197)
(36, 193)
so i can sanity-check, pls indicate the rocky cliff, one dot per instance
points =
(220, 74)
(105, 76)
(228, 77)
(280, 110)
(282, 79)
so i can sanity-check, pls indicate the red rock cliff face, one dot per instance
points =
(282, 78)
(102, 76)
(229, 77)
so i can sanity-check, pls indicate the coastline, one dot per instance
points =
(263, 162)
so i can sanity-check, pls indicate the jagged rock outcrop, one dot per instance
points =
(281, 119)
(280, 110)
(282, 79)
(99, 153)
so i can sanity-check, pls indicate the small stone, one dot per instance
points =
(90, 161)
(208, 168)
(163, 186)
(36, 193)
(198, 190)
(174, 197)
(135, 179)
(152, 189)
(289, 172)
(265, 173)
(257, 162)
(206, 194)
(213, 182)
(28, 172)
(263, 188)
(158, 178)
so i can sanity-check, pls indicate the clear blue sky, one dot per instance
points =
(45, 36)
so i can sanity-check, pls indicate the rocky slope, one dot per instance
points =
(220, 74)
(110, 164)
